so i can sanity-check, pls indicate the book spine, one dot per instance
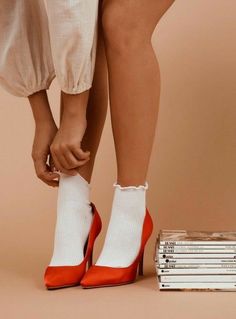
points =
(196, 261)
(198, 249)
(197, 285)
(197, 266)
(178, 256)
(222, 247)
(198, 242)
(197, 271)
(199, 278)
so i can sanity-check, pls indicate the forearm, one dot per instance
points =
(74, 106)
(41, 109)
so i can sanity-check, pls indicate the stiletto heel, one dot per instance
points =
(140, 267)
(67, 276)
(90, 260)
(104, 276)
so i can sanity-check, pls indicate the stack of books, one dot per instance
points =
(192, 260)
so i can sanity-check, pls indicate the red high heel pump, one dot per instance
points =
(67, 276)
(104, 276)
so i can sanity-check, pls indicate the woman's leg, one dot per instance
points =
(134, 82)
(73, 207)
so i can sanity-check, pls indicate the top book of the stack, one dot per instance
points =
(183, 237)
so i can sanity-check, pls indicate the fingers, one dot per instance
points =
(59, 166)
(45, 174)
(51, 164)
(67, 158)
(71, 161)
(79, 153)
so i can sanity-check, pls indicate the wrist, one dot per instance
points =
(41, 109)
(44, 123)
(73, 113)
(71, 117)
(74, 106)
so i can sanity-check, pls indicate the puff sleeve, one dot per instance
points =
(26, 64)
(73, 34)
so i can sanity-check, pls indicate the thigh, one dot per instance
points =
(140, 14)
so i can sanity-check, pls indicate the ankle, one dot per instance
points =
(123, 238)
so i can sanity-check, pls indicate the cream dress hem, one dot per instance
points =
(44, 39)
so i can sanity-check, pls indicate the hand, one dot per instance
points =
(66, 147)
(43, 163)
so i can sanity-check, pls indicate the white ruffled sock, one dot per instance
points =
(74, 218)
(123, 238)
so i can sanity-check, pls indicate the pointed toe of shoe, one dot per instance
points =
(92, 277)
(63, 276)
(103, 276)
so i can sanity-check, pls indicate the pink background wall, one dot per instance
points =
(192, 175)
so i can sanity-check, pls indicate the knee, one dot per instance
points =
(123, 34)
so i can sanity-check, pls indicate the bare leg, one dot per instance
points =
(134, 82)
(74, 212)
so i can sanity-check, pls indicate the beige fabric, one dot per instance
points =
(39, 43)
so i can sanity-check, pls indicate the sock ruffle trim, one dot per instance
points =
(145, 186)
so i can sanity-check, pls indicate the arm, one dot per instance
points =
(73, 33)
(27, 70)
(45, 131)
